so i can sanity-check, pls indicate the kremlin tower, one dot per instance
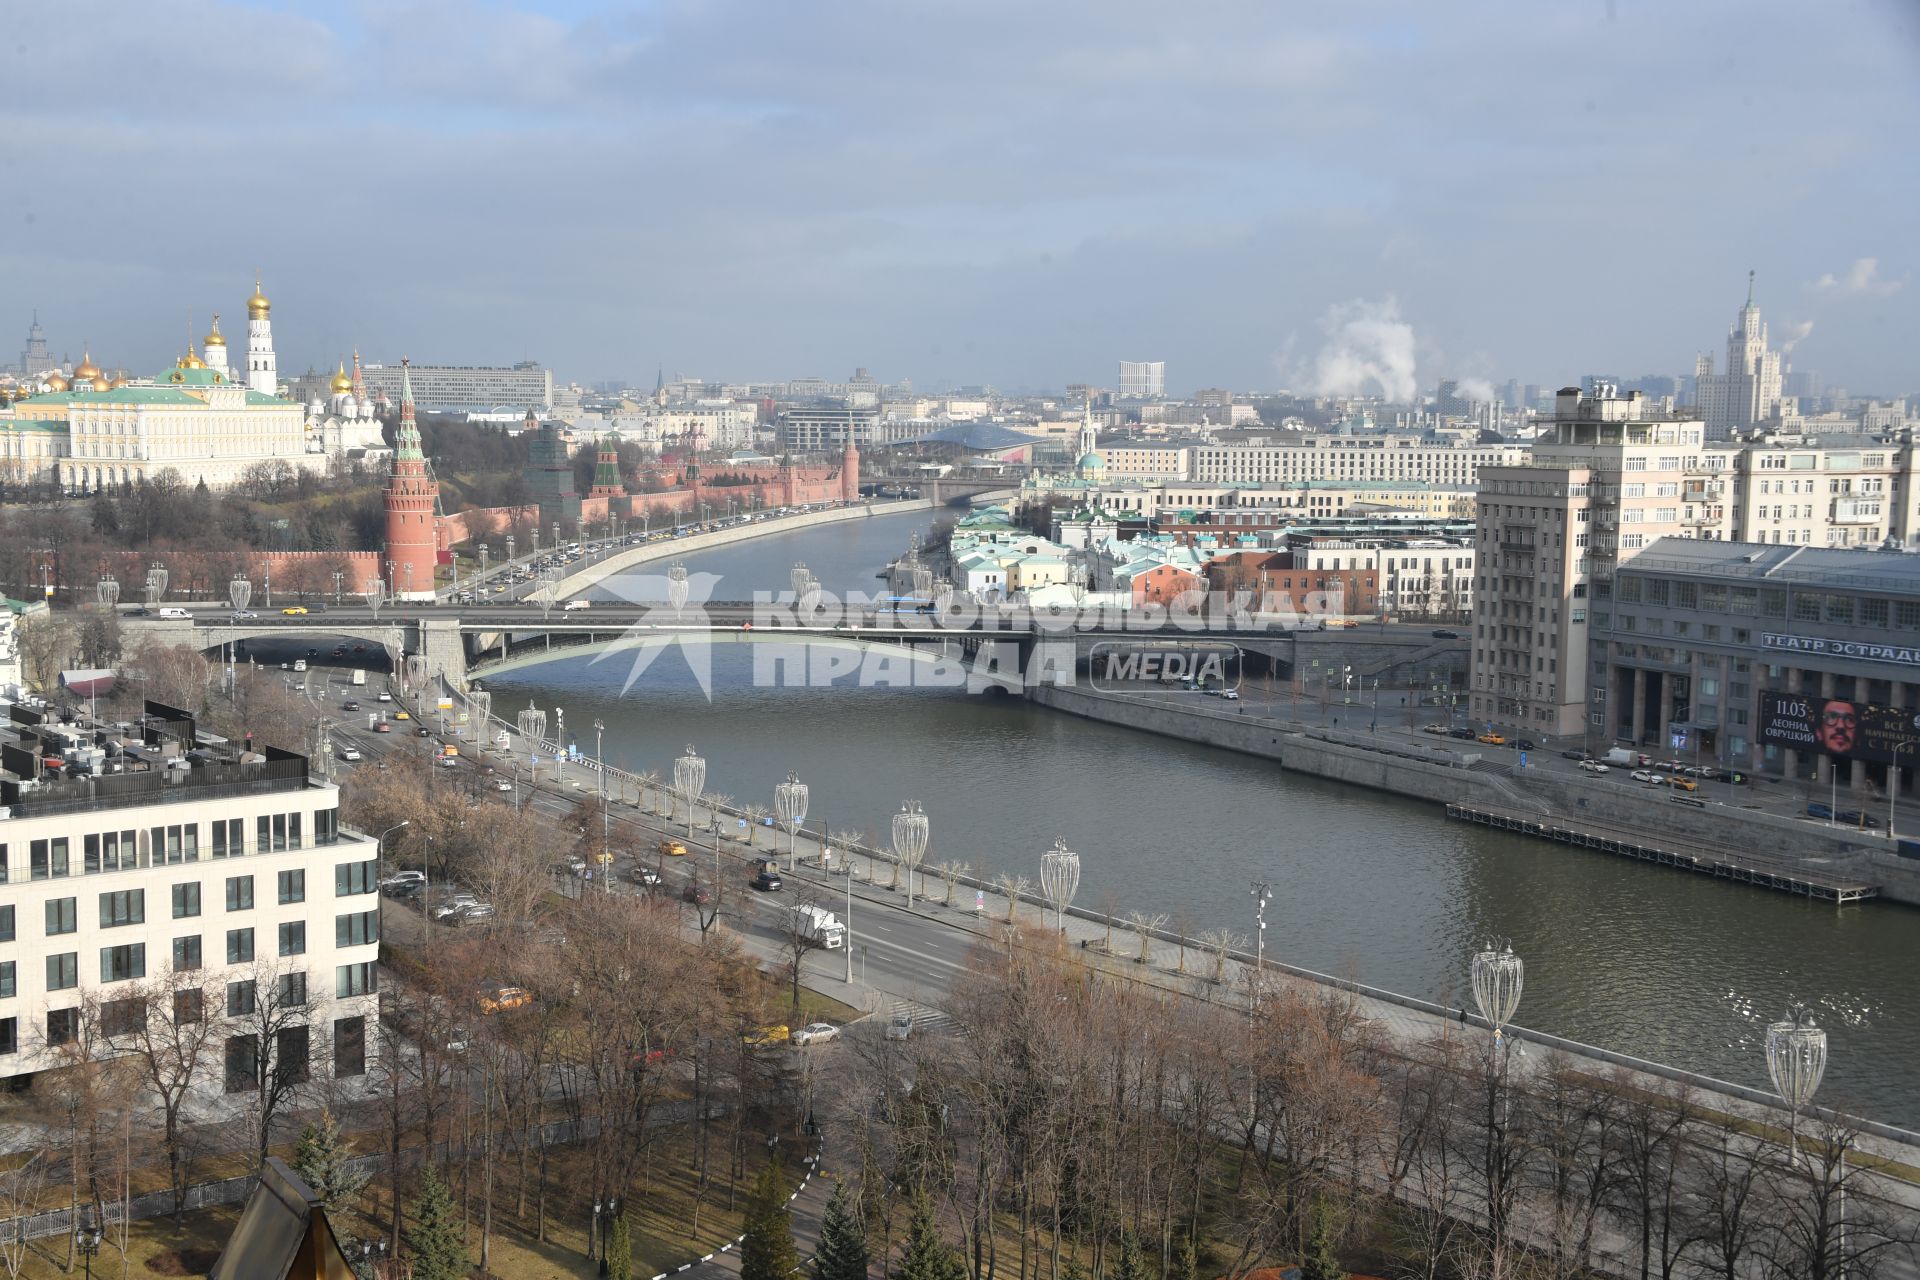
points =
(411, 495)
(606, 470)
(850, 471)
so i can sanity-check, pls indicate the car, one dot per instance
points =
(423, 732)
(350, 753)
(1525, 744)
(474, 913)
(1465, 735)
(1573, 755)
(399, 878)
(349, 705)
(671, 849)
(242, 615)
(1645, 775)
(1592, 766)
(454, 906)
(504, 998)
(402, 714)
(644, 875)
(1683, 784)
(294, 611)
(900, 1026)
(815, 1033)
(447, 762)
(383, 727)
(766, 1037)
(1437, 730)
(767, 881)
(696, 893)
(139, 613)
(1441, 633)
(1491, 739)
(501, 784)
(1730, 776)
(384, 696)
(1231, 695)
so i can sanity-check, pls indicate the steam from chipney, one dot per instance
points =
(1368, 351)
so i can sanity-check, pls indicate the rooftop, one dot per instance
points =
(1884, 571)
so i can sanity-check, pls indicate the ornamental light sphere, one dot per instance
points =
(690, 779)
(1059, 879)
(240, 591)
(1498, 975)
(790, 807)
(1796, 1056)
(677, 586)
(911, 831)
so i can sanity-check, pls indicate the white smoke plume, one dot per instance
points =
(1478, 390)
(1796, 336)
(1369, 351)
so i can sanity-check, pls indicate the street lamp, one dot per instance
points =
(559, 745)
(1497, 978)
(86, 1241)
(606, 813)
(790, 810)
(380, 844)
(689, 779)
(677, 587)
(1893, 788)
(1262, 895)
(910, 833)
(1796, 1059)
(1059, 880)
(533, 731)
(107, 591)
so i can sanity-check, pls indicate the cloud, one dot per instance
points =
(1369, 351)
(1862, 279)
(1478, 390)
(1795, 336)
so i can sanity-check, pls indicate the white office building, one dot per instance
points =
(450, 388)
(1143, 379)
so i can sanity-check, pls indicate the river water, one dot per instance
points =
(1638, 959)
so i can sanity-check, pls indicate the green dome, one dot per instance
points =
(1091, 461)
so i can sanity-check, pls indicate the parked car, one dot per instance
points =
(1438, 730)
(1491, 739)
(502, 998)
(475, 912)
(900, 1026)
(1592, 766)
(1465, 735)
(454, 905)
(1645, 775)
(349, 705)
(815, 1033)
(696, 893)
(1441, 633)
(1526, 744)
(399, 878)
(1573, 755)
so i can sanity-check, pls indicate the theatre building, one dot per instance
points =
(1799, 662)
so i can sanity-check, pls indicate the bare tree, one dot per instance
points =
(1013, 888)
(1145, 923)
(45, 640)
(1219, 943)
(1654, 1137)
(797, 940)
(1727, 1198)
(21, 1186)
(170, 1043)
(269, 1046)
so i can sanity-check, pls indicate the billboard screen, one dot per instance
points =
(1839, 727)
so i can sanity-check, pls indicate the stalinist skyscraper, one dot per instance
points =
(1749, 391)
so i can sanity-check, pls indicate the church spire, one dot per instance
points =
(1750, 290)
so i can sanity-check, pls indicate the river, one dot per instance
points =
(1638, 959)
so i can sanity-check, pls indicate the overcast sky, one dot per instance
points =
(1019, 192)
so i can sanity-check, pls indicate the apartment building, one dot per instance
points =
(1353, 460)
(150, 856)
(1853, 491)
(451, 388)
(1607, 477)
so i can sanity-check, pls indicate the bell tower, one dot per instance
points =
(411, 496)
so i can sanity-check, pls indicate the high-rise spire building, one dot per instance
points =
(35, 358)
(411, 495)
(1749, 391)
(262, 371)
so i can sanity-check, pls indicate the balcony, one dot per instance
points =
(1705, 518)
(1702, 491)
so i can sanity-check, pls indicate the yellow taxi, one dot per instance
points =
(296, 611)
(671, 848)
(505, 998)
(766, 1037)
(1492, 739)
(401, 715)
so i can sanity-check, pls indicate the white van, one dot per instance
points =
(571, 605)
(171, 612)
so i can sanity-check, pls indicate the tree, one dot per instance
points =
(100, 640)
(439, 1245)
(767, 1252)
(842, 1254)
(170, 1044)
(1127, 1264)
(44, 642)
(620, 1249)
(926, 1256)
(320, 1158)
(1320, 1264)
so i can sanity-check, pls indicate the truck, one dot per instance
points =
(1622, 757)
(820, 927)
(359, 676)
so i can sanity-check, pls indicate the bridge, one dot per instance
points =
(944, 490)
(459, 643)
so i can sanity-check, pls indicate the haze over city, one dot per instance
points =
(1348, 201)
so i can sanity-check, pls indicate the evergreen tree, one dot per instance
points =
(1185, 1265)
(1074, 1269)
(320, 1158)
(926, 1256)
(439, 1244)
(620, 1249)
(1127, 1264)
(843, 1240)
(1320, 1264)
(767, 1253)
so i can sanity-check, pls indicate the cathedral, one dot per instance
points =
(204, 418)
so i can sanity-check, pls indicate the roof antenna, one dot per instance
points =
(1749, 288)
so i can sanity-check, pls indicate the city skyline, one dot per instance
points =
(1322, 204)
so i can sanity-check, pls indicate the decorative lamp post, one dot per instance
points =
(799, 576)
(690, 779)
(86, 1240)
(1060, 880)
(1796, 1059)
(156, 583)
(239, 591)
(107, 592)
(486, 553)
(532, 723)
(910, 833)
(556, 535)
(374, 592)
(606, 812)
(1497, 978)
(677, 586)
(559, 744)
(790, 810)
(1262, 895)
(509, 548)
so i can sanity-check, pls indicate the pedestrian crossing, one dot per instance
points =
(927, 1020)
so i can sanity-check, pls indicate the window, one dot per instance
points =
(355, 980)
(124, 907)
(63, 1026)
(229, 838)
(352, 878)
(189, 1006)
(349, 1046)
(7, 983)
(293, 938)
(326, 826)
(240, 998)
(186, 900)
(243, 1064)
(10, 1038)
(6, 923)
(239, 946)
(291, 1061)
(186, 954)
(357, 929)
(63, 971)
(293, 887)
(48, 858)
(61, 917)
(291, 990)
(122, 1017)
(124, 963)
(239, 893)
(112, 851)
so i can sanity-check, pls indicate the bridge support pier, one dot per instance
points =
(440, 643)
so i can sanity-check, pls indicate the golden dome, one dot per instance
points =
(214, 337)
(88, 370)
(257, 305)
(56, 383)
(117, 383)
(101, 382)
(342, 381)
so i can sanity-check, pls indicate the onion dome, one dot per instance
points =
(257, 305)
(342, 381)
(214, 337)
(55, 382)
(88, 370)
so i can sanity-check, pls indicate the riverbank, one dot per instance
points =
(1776, 851)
